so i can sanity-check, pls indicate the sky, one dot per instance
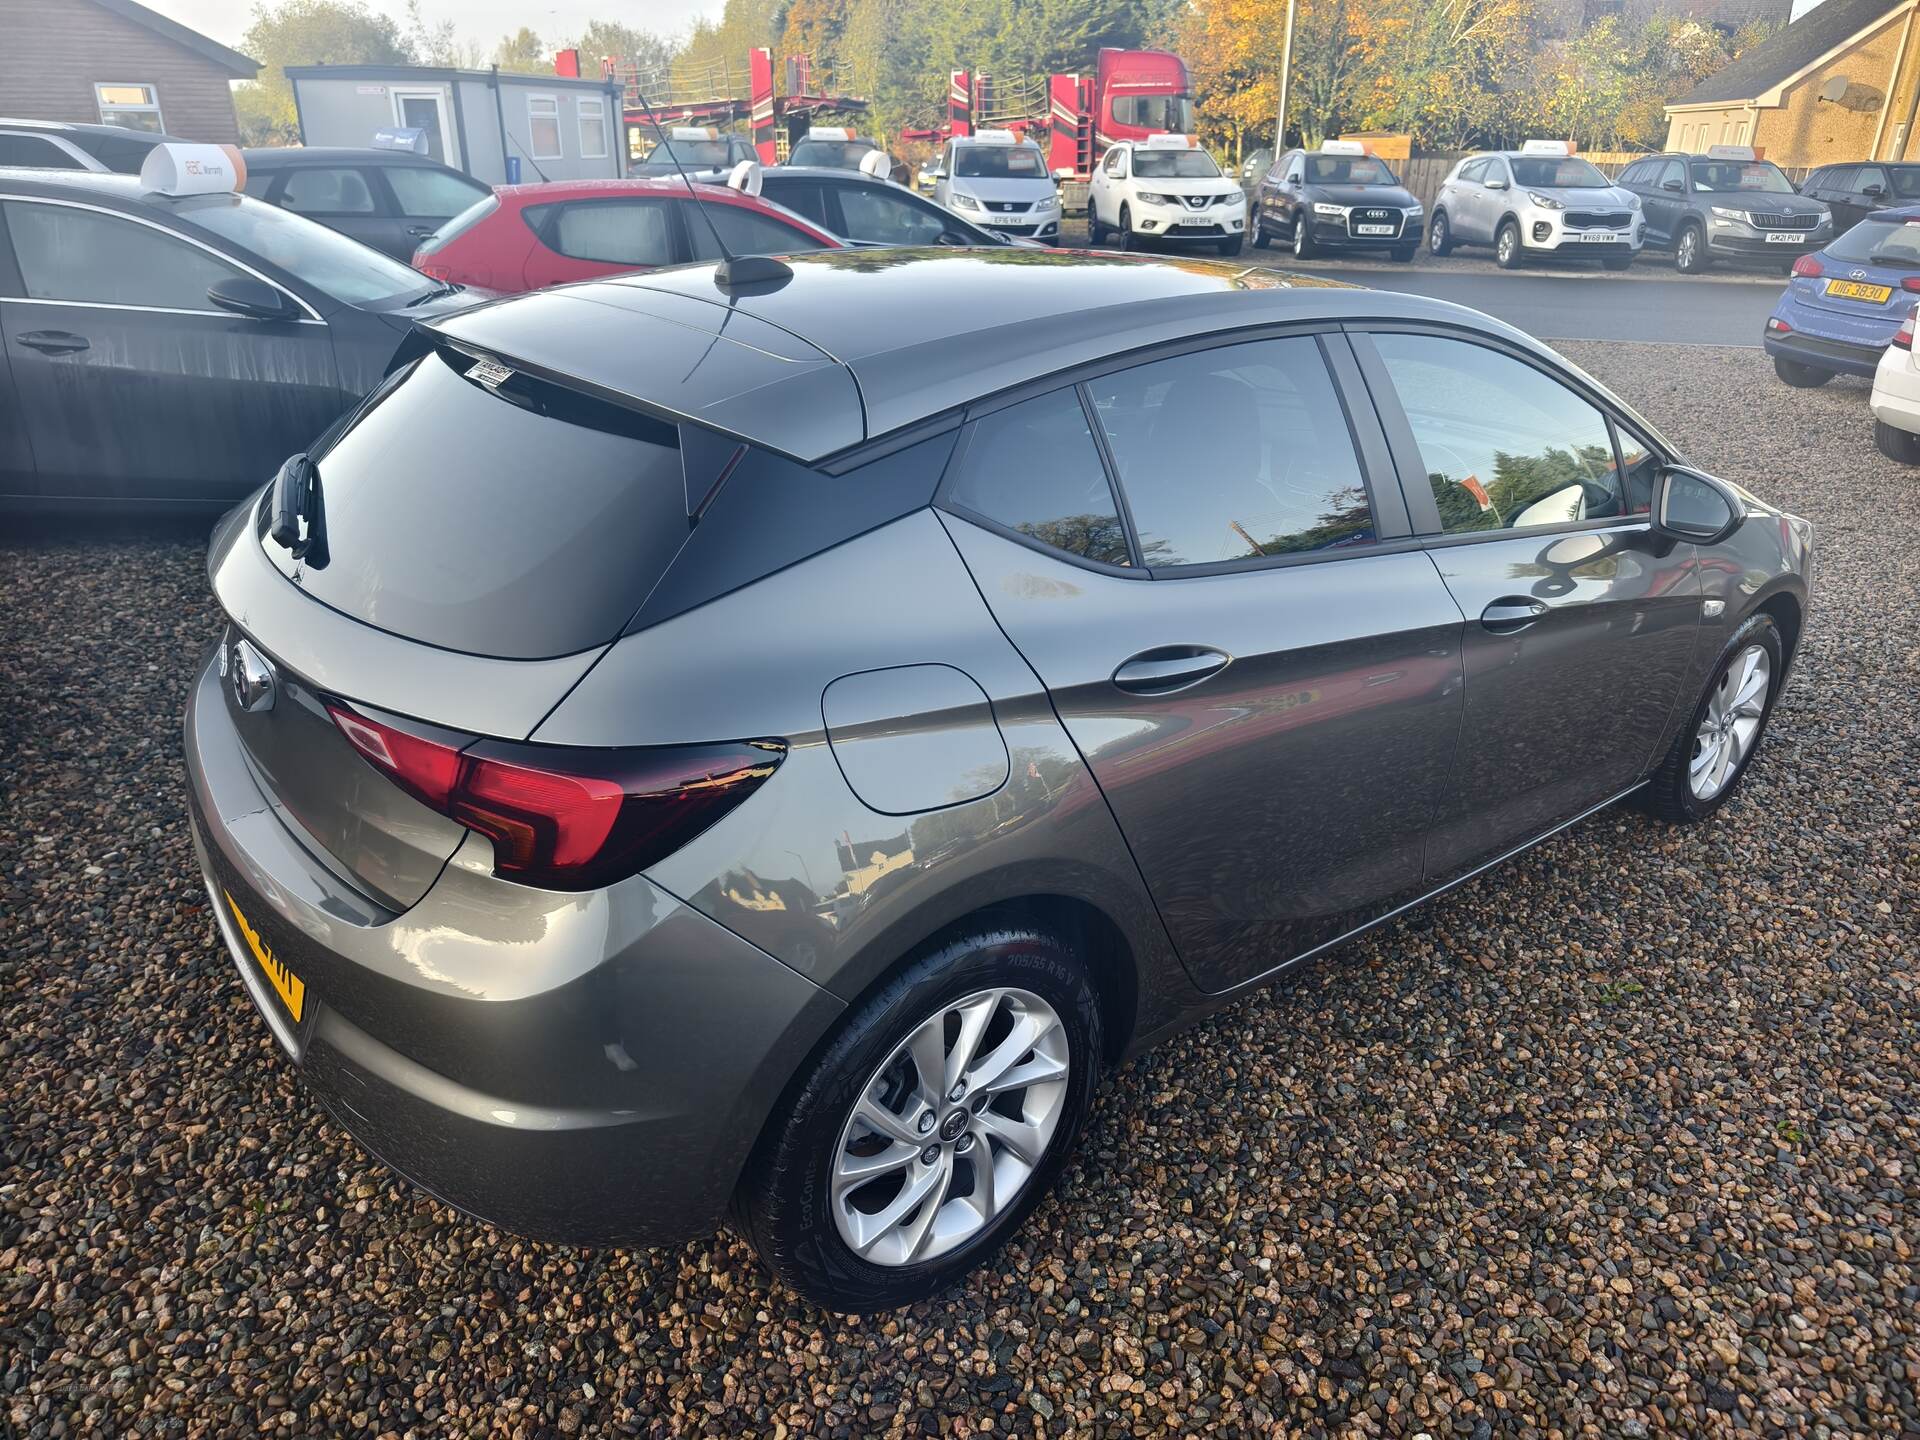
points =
(482, 20)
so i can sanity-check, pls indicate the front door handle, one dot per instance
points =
(420, 232)
(53, 342)
(1169, 668)
(1510, 613)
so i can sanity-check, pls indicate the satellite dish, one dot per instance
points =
(877, 163)
(746, 177)
(1835, 89)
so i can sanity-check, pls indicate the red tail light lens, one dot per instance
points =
(566, 818)
(1911, 284)
(1903, 337)
(1808, 266)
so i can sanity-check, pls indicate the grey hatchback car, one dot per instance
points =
(678, 749)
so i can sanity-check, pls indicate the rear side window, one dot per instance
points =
(1235, 454)
(803, 197)
(747, 232)
(1034, 468)
(520, 522)
(1505, 446)
(614, 232)
(317, 190)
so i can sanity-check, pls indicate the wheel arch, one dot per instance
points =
(1789, 614)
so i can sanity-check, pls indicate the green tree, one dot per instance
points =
(523, 51)
(438, 42)
(625, 44)
(307, 32)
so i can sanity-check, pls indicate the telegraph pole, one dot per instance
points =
(1286, 71)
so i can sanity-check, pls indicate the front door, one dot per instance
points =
(1269, 702)
(1664, 200)
(132, 383)
(1580, 621)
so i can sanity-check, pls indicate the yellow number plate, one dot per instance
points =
(1854, 290)
(291, 989)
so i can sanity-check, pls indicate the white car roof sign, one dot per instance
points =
(1547, 147)
(1169, 142)
(1342, 147)
(193, 169)
(829, 132)
(694, 132)
(1731, 152)
(994, 137)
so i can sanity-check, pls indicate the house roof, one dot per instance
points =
(240, 67)
(1789, 52)
(403, 73)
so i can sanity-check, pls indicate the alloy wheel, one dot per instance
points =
(947, 1132)
(1506, 245)
(1727, 731)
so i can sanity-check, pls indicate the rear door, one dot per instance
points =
(1580, 620)
(133, 383)
(1261, 670)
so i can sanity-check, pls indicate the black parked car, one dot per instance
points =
(1852, 192)
(162, 348)
(52, 145)
(1725, 205)
(868, 211)
(1336, 199)
(389, 199)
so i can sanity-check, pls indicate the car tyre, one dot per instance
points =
(1895, 443)
(1801, 377)
(786, 1202)
(1260, 241)
(1303, 246)
(1096, 232)
(1127, 239)
(1506, 246)
(1676, 793)
(1690, 250)
(1440, 235)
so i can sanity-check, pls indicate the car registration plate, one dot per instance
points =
(1786, 237)
(1599, 237)
(1193, 224)
(291, 989)
(1854, 290)
(1373, 229)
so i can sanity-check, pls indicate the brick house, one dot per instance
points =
(116, 61)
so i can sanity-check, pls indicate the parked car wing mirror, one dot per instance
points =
(1874, 190)
(244, 295)
(1495, 184)
(1691, 506)
(1674, 185)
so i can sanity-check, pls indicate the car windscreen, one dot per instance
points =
(325, 259)
(1722, 176)
(834, 154)
(1347, 170)
(1556, 173)
(1906, 180)
(998, 161)
(1174, 165)
(520, 520)
(694, 154)
(1880, 242)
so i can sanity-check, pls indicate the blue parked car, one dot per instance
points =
(1843, 304)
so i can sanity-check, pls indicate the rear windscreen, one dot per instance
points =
(522, 520)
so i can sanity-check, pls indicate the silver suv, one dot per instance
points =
(1539, 200)
(773, 745)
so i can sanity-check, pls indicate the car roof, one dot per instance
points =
(67, 127)
(276, 157)
(982, 321)
(91, 183)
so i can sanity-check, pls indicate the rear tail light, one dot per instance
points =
(1903, 337)
(564, 817)
(1809, 267)
(1911, 284)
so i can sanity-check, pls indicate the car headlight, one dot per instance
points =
(1047, 204)
(1154, 197)
(1633, 201)
(1320, 207)
(1727, 212)
(1232, 197)
(962, 202)
(1545, 202)
(1413, 212)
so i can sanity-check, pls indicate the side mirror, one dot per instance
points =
(257, 300)
(939, 174)
(1688, 505)
(1674, 185)
(1496, 184)
(1875, 190)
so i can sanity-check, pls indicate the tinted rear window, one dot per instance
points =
(525, 523)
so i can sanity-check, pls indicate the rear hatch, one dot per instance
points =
(486, 535)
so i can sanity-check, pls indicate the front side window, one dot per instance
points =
(746, 232)
(84, 256)
(1116, 163)
(883, 219)
(1234, 454)
(592, 113)
(1034, 468)
(432, 194)
(325, 259)
(325, 190)
(613, 232)
(136, 107)
(1869, 177)
(1504, 445)
(543, 127)
(1474, 170)
(1673, 177)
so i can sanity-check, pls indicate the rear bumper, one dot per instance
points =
(1835, 355)
(583, 1069)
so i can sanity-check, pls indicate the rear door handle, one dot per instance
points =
(420, 231)
(53, 342)
(1168, 668)
(1510, 613)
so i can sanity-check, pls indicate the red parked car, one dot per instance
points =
(523, 237)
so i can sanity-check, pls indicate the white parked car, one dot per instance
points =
(1165, 188)
(1538, 200)
(994, 178)
(1896, 399)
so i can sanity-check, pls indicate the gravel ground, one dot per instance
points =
(1620, 1141)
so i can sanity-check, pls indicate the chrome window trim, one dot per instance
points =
(215, 313)
(220, 255)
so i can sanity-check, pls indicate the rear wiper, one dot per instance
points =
(297, 497)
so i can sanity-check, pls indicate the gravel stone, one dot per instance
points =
(1617, 1141)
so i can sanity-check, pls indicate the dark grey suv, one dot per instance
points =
(680, 749)
(1725, 206)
